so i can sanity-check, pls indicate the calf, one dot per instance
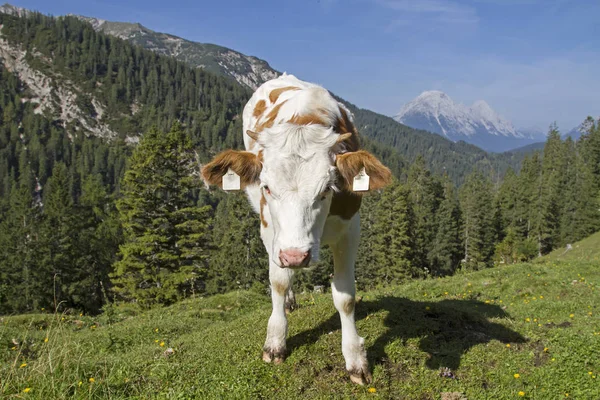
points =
(302, 156)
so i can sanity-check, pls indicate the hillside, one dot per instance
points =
(521, 331)
(586, 249)
(85, 95)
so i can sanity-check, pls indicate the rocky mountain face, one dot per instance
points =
(479, 124)
(52, 93)
(247, 70)
(582, 128)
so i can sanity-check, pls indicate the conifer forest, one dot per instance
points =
(87, 219)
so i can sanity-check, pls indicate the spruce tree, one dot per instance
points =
(478, 231)
(392, 241)
(546, 221)
(426, 193)
(446, 249)
(165, 249)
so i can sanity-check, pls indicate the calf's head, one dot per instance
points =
(296, 173)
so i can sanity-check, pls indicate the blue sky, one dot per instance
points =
(533, 61)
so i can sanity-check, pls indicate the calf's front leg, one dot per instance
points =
(343, 290)
(274, 349)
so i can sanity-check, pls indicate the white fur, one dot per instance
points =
(299, 170)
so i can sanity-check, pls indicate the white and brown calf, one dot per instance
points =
(302, 154)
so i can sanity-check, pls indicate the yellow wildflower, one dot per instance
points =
(507, 344)
(162, 344)
(80, 383)
(92, 380)
(372, 390)
(156, 330)
(571, 315)
(545, 349)
(156, 341)
(517, 376)
(590, 373)
(23, 365)
(26, 390)
(45, 340)
(521, 393)
(527, 319)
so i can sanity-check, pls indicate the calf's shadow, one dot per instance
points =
(448, 328)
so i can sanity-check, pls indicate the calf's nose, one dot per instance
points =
(293, 257)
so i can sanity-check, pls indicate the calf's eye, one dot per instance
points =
(266, 189)
(324, 194)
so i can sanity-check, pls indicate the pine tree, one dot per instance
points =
(392, 241)
(165, 249)
(446, 249)
(240, 254)
(478, 231)
(59, 239)
(426, 193)
(20, 277)
(527, 193)
(546, 221)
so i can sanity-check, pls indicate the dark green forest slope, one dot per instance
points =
(74, 107)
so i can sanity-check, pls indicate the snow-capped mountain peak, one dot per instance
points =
(435, 111)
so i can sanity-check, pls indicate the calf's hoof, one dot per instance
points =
(360, 377)
(274, 356)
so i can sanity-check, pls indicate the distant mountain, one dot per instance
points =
(582, 128)
(530, 148)
(479, 124)
(247, 70)
(87, 105)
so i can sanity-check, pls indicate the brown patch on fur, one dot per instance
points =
(259, 108)
(307, 119)
(270, 118)
(345, 204)
(243, 163)
(279, 288)
(275, 93)
(263, 202)
(348, 306)
(260, 156)
(350, 164)
(345, 125)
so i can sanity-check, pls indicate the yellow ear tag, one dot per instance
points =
(231, 180)
(361, 181)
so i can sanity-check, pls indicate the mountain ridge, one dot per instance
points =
(478, 124)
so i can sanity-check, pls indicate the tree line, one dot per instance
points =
(85, 220)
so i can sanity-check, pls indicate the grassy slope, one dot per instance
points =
(586, 249)
(539, 321)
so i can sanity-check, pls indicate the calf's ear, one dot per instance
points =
(350, 164)
(245, 164)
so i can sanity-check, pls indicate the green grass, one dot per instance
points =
(587, 249)
(536, 320)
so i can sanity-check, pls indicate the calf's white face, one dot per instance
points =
(297, 190)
